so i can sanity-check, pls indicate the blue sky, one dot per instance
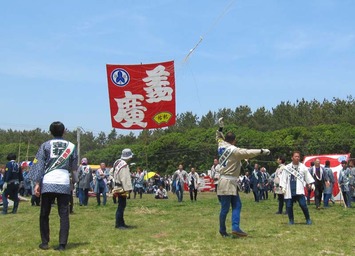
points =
(256, 53)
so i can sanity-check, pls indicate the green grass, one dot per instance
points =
(166, 227)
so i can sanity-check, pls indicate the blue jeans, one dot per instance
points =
(83, 196)
(122, 202)
(226, 202)
(101, 191)
(326, 199)
(256, 192)
(12, 193)
(302, 203)
(179, 192)
(347, 198)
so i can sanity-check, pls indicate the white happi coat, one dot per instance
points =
(286, 177)
(196, 179)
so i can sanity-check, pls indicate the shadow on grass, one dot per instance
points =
(75, 245)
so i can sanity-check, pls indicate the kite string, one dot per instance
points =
(185, 61)
(226, 9)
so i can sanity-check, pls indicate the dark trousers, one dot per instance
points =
(280, 198)
(302, 203)
(35, 200)
(256, 193)
(83, 196)
(266, 194)
(309, 191)
(12, 192)
(101, 190)
(63, 211)
(318, 195)
(193, 193)
(347, 198)
(140, 192)
(122, 202)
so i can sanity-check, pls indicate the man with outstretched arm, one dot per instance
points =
(230, 161)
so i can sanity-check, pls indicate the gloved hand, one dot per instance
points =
(265, 151)
(4, 186)
(221, 122)
(283, 191)
(313, 187)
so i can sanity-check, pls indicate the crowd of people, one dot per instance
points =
(262, 183)
(54, 178)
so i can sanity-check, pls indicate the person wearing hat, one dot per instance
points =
(122, 185)
(85, 178)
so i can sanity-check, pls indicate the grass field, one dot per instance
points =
(166, 227)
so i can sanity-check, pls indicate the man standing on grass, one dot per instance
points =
(55, 160)
(193, 180)
(179, 180)
(230, 161)
(256, 181)
(12, 179)
(293, 180)
(277, 189)
(317, 173)
(122, 185)
(215, 173)
(344, 182)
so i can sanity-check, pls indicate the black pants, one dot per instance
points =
(35, 200)
(122, 202)
(318, 192)
(280, 198)
(63, 211)
(12, 193)
(193, 193)
(256, 193)
(309, 191)
(140, 192)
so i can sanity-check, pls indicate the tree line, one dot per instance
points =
(311, 127)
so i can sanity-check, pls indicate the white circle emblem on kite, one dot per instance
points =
(120, 77)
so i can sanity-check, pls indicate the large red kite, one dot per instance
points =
(142, 96)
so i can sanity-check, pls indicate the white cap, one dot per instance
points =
(126, 154)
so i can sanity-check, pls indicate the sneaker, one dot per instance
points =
(291, 222)
(309, 222)
(43, 246)
(278, 212)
